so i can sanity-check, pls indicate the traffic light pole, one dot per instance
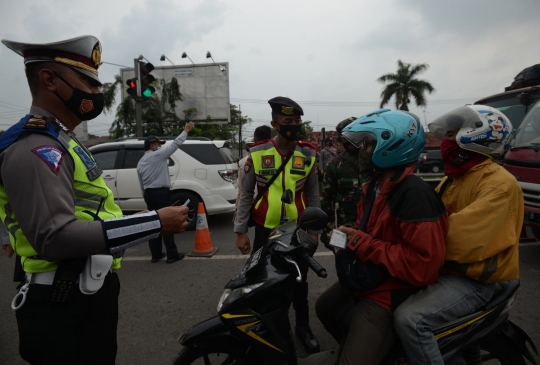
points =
(138, 109)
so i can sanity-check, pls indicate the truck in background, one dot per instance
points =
(522, 107)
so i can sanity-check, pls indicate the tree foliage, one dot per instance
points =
(403, 84)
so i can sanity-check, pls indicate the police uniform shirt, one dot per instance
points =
(44, 202)
(247, 186)
(153, 170)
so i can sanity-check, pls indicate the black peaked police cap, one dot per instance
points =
(285, 106)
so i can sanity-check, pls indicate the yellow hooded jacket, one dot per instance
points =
(486, 211)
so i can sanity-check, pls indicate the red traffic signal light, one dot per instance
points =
(132, 87)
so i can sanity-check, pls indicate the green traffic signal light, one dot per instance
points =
(148, 92)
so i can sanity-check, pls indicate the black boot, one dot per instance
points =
(310, 343)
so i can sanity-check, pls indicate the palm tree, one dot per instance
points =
(403, 84)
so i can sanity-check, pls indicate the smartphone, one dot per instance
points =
(338, 239)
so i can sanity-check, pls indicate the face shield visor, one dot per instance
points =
(358, 139)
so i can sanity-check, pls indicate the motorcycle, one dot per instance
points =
(252, 325)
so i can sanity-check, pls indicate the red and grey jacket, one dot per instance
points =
(406, 233)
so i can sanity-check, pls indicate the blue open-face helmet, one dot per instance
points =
(398, 134)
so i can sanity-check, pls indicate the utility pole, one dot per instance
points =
(425, 119)
(240, 154)
(138, 109)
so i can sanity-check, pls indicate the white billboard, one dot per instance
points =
(203, 86)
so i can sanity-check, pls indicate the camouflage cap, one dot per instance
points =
(341, 125)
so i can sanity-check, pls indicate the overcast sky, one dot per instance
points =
(318, 52)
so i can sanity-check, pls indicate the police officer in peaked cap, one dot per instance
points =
(61, 215)
(299, 176)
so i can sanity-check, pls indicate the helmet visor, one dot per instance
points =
(357, 139)
(450, 123)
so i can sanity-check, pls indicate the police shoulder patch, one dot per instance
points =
(51, 155)
(247, 167)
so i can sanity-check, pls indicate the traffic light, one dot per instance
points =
(132, 87)
(146, 80)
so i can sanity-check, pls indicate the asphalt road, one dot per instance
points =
(159, 302)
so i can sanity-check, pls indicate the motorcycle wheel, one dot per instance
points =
(501, 349)
(188, 356)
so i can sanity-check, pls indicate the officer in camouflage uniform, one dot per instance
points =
(341, 185)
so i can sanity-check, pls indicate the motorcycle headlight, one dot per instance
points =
(230, 296)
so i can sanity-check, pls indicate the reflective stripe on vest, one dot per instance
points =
(90, 195)
(266, 158)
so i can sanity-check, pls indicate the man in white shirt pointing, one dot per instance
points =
(155, 183)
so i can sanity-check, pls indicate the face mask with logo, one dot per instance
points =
(289, 132)
(84, 105)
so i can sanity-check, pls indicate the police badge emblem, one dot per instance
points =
(298, 162)
(96, 55)
(287, 110)
(268, 161)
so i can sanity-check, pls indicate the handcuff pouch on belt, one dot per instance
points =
(93, 275)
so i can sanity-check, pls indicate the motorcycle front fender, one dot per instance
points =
(210, 331)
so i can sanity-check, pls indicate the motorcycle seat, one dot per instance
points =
(503, 295)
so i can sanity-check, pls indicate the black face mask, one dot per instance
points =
(289, 132)
(84, 105)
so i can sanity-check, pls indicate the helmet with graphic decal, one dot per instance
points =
(398, 135)
(478, 128)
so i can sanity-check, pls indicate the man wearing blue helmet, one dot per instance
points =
(485, 207)
(402, 224)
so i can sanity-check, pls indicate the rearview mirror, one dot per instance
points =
(313, 218)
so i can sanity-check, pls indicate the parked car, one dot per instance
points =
(430, 161)
(199, 171)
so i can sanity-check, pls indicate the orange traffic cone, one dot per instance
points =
(203, 243)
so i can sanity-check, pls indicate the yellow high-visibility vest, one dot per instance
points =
(267, 159)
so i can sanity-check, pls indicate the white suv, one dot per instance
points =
(200, 170)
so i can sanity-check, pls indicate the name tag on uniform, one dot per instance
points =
(268, 172)
(298, 172)
(94, 173)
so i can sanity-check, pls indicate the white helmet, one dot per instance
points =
(480, 129)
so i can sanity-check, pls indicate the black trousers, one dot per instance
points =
(156, 199)
(80, 331)
(300, 295)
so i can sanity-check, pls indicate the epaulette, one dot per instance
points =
(261, 142)
(307, 144)
(37, 122)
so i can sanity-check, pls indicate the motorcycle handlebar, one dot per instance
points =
(314, 265)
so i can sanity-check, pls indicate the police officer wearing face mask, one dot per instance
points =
(298, 176)
(60, 214)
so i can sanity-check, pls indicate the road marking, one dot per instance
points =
(215, 257)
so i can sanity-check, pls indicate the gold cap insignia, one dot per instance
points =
(96, 55)
(287, 110)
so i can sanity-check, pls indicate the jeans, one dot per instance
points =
(449, 298)
(156, 199)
